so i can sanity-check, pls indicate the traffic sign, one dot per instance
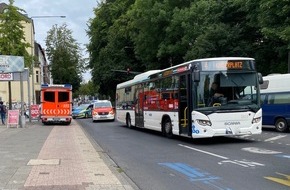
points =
(34, 111)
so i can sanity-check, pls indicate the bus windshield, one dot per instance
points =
(219, 90)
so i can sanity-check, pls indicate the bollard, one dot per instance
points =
(23, 121)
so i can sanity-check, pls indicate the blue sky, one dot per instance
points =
(77, 13)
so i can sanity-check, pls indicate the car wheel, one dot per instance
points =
(281, 125)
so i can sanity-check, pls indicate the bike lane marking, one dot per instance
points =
(196, 175)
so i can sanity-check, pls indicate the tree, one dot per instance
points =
(110, 45)
(12, 41)
(158, 34)
(88, 89)
(64, 55)
(274, 21)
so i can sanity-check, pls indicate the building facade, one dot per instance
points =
(38, 73)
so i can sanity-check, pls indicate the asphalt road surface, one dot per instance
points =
(153, 162)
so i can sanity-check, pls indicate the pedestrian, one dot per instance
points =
(2, 112)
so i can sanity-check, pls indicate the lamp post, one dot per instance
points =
(33, 49)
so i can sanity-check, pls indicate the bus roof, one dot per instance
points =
(138, 78)
(211, 59)
(275, 83)
(145, 76)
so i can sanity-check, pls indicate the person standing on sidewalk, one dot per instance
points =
(2, 112)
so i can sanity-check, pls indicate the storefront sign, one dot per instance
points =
(6, 76)
(9, 64)
(13, 117)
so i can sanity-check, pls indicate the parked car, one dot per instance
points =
(82, 111)
(103, 110)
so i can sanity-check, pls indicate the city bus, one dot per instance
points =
(275, 98)
(176, 100)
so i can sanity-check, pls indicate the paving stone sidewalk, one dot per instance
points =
(55, 158)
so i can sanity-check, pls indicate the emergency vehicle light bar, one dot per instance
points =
(57, 85)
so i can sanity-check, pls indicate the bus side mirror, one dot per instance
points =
(260, 78)
(196, 75)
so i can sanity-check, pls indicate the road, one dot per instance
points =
(154, 162)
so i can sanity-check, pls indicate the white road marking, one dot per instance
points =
(205, 152)
(260, 150)
(243, 163)
(275, 138)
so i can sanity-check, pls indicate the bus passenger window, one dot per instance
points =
(165, 96)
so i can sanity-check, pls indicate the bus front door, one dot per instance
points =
(139, 117)
(184, 105)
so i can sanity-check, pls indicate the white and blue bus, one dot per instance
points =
(275, 98)
(178, 101)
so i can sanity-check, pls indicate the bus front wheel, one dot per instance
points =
(281, 125)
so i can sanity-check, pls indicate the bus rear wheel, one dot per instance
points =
(281, 125)
(167, 128)
(128, 122)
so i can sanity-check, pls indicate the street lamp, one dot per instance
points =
(33, 49)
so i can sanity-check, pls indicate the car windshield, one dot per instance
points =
(82, 106)
(102, 104)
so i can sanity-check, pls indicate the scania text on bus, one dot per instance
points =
(179, 101)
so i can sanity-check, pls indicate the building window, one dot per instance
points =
(37, 76)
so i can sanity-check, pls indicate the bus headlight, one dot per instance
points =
(203, 122)
(256, 120)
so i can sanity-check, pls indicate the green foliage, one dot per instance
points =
(12, 40)
(88, 89)
(144, 35)
(109, 37)
(65, 57)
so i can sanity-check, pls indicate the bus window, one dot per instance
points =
(151, 85)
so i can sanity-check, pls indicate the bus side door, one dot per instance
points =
(185, 107)
(139, 112)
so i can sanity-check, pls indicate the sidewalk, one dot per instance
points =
(39, 157)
